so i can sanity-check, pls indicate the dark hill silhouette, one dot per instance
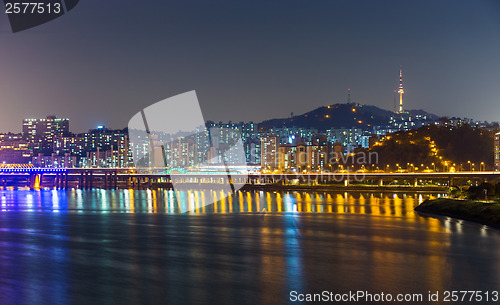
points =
(339, 115)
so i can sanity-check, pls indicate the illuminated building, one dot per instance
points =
(346, 136)
(41, 132)
(70, 144)
(269, 152)
(287, 157)
(285, 134)
(252, 150)
(113, 143)
(13, 149)
(54, 161)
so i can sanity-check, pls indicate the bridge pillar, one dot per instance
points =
(105, 180)
(35, 180)
(89, 183)
(32, 180)
(415, 182)
(66, 180)
(346, 182)
(380, 182)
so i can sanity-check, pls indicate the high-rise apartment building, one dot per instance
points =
(40, 133)
(269, 152)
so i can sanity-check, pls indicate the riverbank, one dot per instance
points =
(481, 212)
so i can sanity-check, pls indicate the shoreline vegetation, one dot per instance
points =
(483, 212)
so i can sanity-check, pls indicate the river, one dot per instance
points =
(132, 247)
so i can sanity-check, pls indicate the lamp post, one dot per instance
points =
(482, 166)
(434, 165)
(470, 166)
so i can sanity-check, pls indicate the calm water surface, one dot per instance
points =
(132, 247)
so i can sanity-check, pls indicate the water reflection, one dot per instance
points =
(172, 202)
(133, 247)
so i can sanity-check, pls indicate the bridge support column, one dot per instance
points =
(82, 180)
(346, 182)
(380, 182)
(415, 182)
(32, 180)
(89, 180)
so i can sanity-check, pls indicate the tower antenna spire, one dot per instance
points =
(348, 95)
(401, 90)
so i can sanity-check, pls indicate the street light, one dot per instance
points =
(483, 167)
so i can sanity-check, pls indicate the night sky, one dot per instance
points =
(251, 60)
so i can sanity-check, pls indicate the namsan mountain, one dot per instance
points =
(347, 115)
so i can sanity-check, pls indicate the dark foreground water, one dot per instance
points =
(130, 247)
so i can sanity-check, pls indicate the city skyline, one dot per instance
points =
(279, 57)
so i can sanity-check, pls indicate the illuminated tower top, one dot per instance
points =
(400, 91)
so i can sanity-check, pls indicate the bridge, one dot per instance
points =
(86, 178)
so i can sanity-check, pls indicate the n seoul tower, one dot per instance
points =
(400, 90)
